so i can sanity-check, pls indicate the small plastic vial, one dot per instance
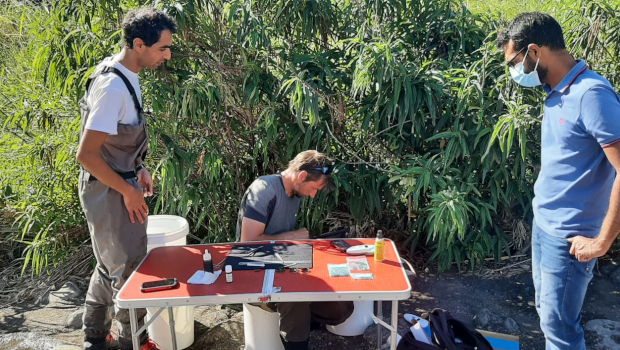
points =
(228, 270)
(207, 262)
(379, 247)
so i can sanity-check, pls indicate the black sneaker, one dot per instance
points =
(289, 345)
(112, 342)
(98, 343)
(314, 326)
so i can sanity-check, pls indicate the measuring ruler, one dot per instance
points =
(268, 287)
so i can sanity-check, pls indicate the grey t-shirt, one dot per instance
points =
(266, 201)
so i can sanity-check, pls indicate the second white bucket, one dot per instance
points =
(357, 323)
(261, 329)
(169, 230)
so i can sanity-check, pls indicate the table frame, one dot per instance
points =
(169, 303)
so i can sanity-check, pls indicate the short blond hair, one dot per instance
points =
(309, 161)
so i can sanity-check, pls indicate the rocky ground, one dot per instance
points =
(500, 303)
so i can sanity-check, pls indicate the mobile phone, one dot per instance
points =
(153, 286)
(341, 245)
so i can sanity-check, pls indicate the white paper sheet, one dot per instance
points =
(201, 277)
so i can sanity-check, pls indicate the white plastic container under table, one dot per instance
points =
(357, 323)
(169, 230)
(261, 329)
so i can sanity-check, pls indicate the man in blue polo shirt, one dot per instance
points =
(577, 194)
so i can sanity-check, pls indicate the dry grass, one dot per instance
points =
(16, 288)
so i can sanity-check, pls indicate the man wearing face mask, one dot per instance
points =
(577, 194)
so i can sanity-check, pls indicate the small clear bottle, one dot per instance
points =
(207, 262)
(229, 276)
(379, 247)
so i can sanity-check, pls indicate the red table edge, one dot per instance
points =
(254, 298)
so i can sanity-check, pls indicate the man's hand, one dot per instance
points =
(89, 156)
(586, 249)
(302, 233)
(252, 230)
(134, 202)
(145, 180)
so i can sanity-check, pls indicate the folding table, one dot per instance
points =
(390, 282)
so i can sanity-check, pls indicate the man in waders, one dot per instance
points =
(113, 181)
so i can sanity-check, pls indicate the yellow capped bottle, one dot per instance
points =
(379, 247)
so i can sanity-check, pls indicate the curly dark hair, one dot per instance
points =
(532, 28)
(146, 23)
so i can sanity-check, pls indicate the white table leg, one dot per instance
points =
(393, 342)
(379, 326)
(173, 334)
(133, 320)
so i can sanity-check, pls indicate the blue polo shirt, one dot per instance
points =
(581, 118)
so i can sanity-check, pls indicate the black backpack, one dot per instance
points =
(408, 342)
(445, 329)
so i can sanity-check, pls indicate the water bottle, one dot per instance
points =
(379, 247)
(419, 333)
(422, 322)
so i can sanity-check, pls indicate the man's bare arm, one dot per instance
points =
(90, 157)
(252, 230)
(586, 249)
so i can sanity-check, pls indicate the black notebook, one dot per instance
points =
(273, 256)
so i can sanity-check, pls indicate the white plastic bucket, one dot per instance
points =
(261, 329)
(166, 230)
(169, 230)
(357, 323)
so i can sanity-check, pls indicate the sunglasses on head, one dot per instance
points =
(326, 170)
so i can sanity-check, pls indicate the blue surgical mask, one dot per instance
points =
(530, 79)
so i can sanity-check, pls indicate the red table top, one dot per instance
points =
(390, 281)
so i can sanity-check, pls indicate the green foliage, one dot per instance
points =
(431, 136)
(37, 142)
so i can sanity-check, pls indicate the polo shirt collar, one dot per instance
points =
(569, 78)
